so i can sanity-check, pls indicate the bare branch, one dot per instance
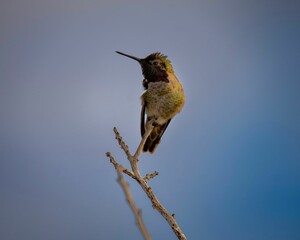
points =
(143, 181)
(137, 212)
(150, 175)
(119, 166)
(149, 127)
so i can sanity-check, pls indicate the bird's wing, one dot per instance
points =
(143, 119)
(164, 129)
(155, 136)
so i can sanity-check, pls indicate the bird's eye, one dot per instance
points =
(155, 63)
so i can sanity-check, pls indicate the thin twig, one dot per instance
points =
(149, 127)
(137, 212)
(119, 166)
(143, 182)
(150, 176)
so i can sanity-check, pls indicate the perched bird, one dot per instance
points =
(163, 98)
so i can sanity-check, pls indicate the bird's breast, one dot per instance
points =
(164, 99)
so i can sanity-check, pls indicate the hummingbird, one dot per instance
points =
(163, 97)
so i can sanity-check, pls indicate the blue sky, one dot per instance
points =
(229, 163)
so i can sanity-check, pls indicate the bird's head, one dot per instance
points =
(156, 65)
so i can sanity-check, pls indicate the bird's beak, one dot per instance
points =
(126, 55)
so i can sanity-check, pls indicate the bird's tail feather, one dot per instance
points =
(154, 137)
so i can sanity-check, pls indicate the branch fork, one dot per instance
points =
(135, 174)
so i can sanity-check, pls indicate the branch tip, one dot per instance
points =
(150, 176)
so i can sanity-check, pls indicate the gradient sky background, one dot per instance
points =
(229, 163)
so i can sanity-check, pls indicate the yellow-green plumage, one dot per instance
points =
(163, 98)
